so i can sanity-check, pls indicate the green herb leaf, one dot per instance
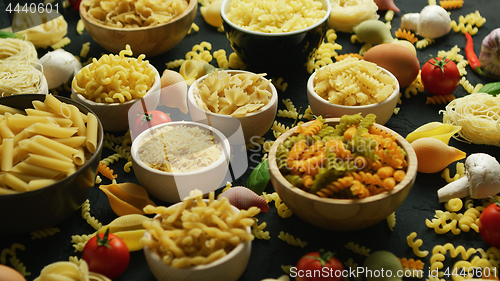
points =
(6, 34)
(259, 178)
(491, 88)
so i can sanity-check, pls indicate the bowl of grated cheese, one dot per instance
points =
(171, 159)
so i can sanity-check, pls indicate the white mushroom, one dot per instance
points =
(432, 22)
(482, 179)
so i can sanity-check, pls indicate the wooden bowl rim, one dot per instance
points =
(411, 171)
(193, 4)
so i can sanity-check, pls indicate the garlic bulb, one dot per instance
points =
(490, 53)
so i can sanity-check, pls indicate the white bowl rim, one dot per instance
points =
(86, 18)
(272, 101)
(273, 169)
(310, 88)
(217, 262)
(83, 99)
(224, 146)
(282, 34)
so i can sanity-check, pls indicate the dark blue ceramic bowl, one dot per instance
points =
(263, 51)
(47, 206)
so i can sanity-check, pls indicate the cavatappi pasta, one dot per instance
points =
(135, 13)
(115, 78)
(197, 231)
(264, 16)
(41, 146)
(353, 82)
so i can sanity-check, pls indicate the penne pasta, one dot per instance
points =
(43, 145)
(14, 182)
(36, 148)
(26, 168)
(52, 130)
(58, 146)
(57, 106)
(4, 109)
(5, 131)
(79, 157)
(7, 153)
(91, 140)
(72, 141)
(50, 163)
(23, 121)
(78, 120)
(35, 112)
(39, 183)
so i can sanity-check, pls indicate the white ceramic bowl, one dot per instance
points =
(227, 268)
(114, 116)
(253, 125)
(173, 187)
(383, 110)
(342, 214)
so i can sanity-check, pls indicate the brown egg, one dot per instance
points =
(9, 274)
(397, 59)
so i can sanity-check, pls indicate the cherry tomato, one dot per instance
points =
(106, 254)
(146, 120)
(489, 225)
(319, 265)
(440, 76)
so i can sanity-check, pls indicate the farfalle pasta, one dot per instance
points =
(353, 82)
(134, 13)
(115, 78)
(233, 94)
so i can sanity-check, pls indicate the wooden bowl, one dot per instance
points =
(383, 110)
(228, 268)
(150, 41)
(342, 214)
(114, 116)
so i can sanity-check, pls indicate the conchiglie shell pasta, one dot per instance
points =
(174, 90)
(437, 130)
(211, 13)
(434, 155)
(126, 198)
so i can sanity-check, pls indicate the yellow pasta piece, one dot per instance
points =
(415, 245)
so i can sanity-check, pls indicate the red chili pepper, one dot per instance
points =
(471, 56)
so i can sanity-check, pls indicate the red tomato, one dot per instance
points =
(440, 76)
(319, 265)
(489, 225)
(106, 254)
(146, 120)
